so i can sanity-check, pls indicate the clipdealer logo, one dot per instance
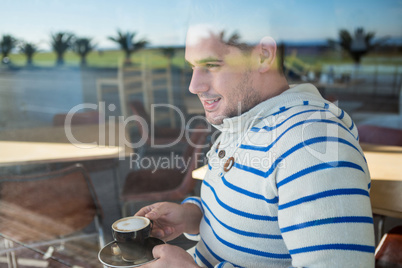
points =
(325, 125)
(121, 140)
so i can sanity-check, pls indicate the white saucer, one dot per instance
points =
(110, 259)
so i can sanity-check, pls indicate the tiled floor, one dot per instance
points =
(80, 253)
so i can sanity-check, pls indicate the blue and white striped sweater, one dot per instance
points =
(297, 194)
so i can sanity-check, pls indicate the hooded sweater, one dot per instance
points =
(287, 186)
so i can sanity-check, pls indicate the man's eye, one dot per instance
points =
(210, 65)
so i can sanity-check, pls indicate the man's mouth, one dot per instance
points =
(211, 104)
(212, 101)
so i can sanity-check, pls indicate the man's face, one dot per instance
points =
(222, 78)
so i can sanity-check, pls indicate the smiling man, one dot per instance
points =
(287, 184)
(228, 78)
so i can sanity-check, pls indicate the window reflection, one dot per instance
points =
(70, 73)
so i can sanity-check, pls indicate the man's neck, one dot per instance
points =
(273, 85)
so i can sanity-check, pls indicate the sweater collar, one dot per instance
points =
(291, 96)
(241, 123)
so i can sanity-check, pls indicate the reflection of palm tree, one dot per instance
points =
(82, 46)
(6, 45)
(127, 43)
(234, 40)
(61, 42)
(169, 53)
(358, 45)
(29, 50)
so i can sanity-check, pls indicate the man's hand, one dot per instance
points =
(171, 256)
(170, 220)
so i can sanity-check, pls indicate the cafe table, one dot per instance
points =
(384, 162)
(58, 144)
(19, 152)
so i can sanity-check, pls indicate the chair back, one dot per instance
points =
(389, 251)
(145, 80)
(47, 206)
(380, 135)
(138, 108)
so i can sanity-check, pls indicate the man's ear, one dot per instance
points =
(267, 53)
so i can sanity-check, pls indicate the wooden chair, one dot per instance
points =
(388, 253)
(130, 80)
(160, 79)
(133, 80)
(168, 184)
(49, 208)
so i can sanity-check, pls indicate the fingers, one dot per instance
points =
(143, 211)
(164, 250)
(155, 212)
(158, 210)
(164, 219)
(172, 256)
(152, 212)
(161, 230)
(163, 233)
(157, 251)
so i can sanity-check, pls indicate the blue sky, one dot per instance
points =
(164, 22)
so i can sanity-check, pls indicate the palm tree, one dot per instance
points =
(82, 46)
(127, 43)
(29, 49)
(60, 43)
(357, 45)
(169, 53)
(7, 43)
(233, 40)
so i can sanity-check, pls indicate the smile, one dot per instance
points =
(212, 101)
(211, 104)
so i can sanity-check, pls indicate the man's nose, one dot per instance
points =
(199, 81)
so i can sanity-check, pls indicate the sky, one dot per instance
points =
(164, 22)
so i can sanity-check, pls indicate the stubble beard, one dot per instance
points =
(246, 98)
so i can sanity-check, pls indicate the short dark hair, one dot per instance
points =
(235, 41)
